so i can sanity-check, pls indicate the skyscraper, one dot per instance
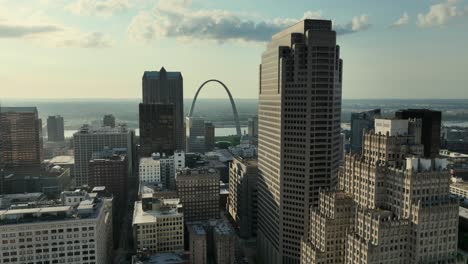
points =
(253, 126)
(431, 124)
(195, 133)
(299, 133)
(165, 89)
(360, 122)
(209, 136)
(157, 129)
(90, 140)
(55, 128)
(20, 138)
(108, 120)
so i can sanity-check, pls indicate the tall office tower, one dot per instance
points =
(159, 226)
(253, 126)
(431, 126)
(299, 133)
(392, 204)
(209, 136)
(109, 120)
(164, 88)
(20, 138)
(109, 168)
(198, 190)
(242, 201)
(55, 128)
(360, 122)
(195, 133)
(89, 140)
(76, 230)
(157, 129)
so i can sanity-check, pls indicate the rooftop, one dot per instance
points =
(165, 258)
(31, 109)
(62, 160)
(158, 74)
(88, 130)
(150, 216)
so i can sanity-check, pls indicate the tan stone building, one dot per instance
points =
(397, 203)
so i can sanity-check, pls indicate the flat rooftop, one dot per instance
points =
(150, 216)
(460, 185)
(62, 160)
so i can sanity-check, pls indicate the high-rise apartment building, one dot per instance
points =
(209, 136)
(360, 122)
(299, 133)
(77, 230)
(431, 126)
(160, 228)
(89, 140)
(162, 112)
(195, 134)
(20, 138)
(242, 200)
(108, 120)
(55, 128)
(198, 190)
(392, 205)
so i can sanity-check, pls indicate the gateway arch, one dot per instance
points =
(233, 105)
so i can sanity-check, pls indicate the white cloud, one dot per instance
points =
(42, 30)
(403, 20)
(98, 7)
(441, 14)
(177, 18)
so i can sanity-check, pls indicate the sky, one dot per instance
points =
(100, 48)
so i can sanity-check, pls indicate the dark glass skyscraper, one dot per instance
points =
(55, 128)
(431, 126)
(163, 90)
(360, 122)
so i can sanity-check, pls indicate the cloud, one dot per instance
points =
(358, 23)
(15, 31)
(403, 20)
(441, 14)
(177, 19)
(98, 7)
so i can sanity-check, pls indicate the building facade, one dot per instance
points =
(198, 190)
(76, 232)
(299, 133)
(242, 200)
(253, 127)
(89, 140)
(108, 120)
(110, 171)
(195, 134)
(157, 129)
(197, 244)
(209, 136)
(55, 128)
(161, 169)
(392, 205)
(164, 88)
(360, 122)
(20, 138)
(159, 229)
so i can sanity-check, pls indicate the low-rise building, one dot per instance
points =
(52, 232)
(159, 228)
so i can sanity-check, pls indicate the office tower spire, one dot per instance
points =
(299, 133)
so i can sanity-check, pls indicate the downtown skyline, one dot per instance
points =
(98, 49)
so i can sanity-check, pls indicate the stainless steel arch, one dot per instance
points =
(234, 109)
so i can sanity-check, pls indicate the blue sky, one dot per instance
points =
(100, 48)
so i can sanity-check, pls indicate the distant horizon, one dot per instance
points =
(213, 99)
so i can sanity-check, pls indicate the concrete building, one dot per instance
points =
(361, 122)
(392, 204)
(246, 148)
(20, 139)
(108, 120)
(253, 127)
(55, 128)
(89, 140)
(165, 89)
(195, 134)
(197, 244)
(299, 133)
(161, 169)
(109, 168)
(224, 239)
(198, 190)
(209, 136)
(242, 200)
(159, 229)
(459, 189)
(431, 126)
(157, 129)
(78, 232)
